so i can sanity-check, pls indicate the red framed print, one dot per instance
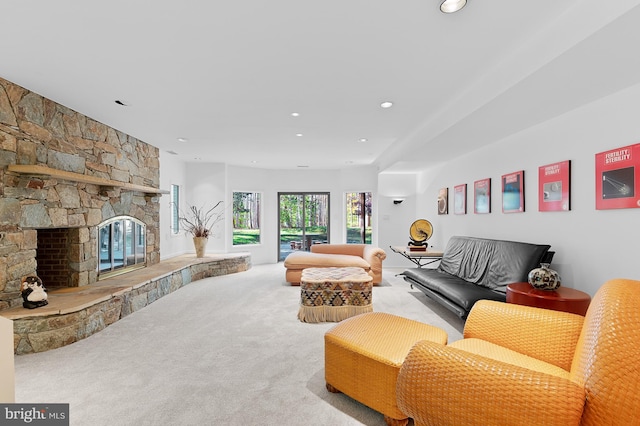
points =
(513, 192)
(618, 178)
(482, 196)
(554, 187)
(460, 199)
(443, 201)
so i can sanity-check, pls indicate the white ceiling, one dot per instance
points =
(228, 74)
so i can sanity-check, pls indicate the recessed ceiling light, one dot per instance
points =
(386, 104)
(450, 6)
(299, 134)
(295, 114)
(363, 140)
(183, 140)
(303, 167)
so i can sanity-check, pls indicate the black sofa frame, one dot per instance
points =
(472, 269)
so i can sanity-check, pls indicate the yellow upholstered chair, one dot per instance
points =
(518, 365)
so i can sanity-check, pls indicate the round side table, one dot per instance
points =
(563, 299)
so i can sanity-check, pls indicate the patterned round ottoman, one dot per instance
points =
(333, 294)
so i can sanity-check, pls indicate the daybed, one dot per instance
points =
(519, 365)
(472, 269)
(364, 256)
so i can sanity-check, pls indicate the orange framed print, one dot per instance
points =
(443, 201)
(618, 178)
(554, 187)
(482, 196)
(513, 192)
(460, 199)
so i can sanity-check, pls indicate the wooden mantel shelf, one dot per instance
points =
(39, 170)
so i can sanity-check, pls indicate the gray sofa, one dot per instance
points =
(477, 268)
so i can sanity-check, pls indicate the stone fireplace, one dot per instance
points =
(61, 175)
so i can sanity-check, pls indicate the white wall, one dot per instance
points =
(270, 182)
(201, 185)
(591, 245)
(206, 183)
(172, 172)
(395, 219)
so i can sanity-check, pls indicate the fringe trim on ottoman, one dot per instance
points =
(330, 313)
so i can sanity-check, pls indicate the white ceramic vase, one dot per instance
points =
(544, 278)
(200, 243)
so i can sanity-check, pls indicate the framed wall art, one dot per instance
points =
(513, 192)
(554, 187)
(482, 196)
(618, 178)
(443, 201)
(460, 199)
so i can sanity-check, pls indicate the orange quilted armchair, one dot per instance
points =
(518, 365)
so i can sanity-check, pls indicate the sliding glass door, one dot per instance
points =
(304, 221)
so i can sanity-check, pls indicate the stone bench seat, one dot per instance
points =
(74, 313)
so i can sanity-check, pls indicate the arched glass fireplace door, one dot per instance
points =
(121, 245)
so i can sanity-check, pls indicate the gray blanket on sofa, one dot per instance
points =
(476, 268)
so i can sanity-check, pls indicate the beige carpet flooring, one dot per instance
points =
(220, 351)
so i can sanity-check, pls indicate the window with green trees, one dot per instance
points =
(358, 217)
(246, 218)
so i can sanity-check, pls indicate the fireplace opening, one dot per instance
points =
(53, 257)
(121, 245)
(74, 257)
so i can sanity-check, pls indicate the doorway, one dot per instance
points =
(304, 221)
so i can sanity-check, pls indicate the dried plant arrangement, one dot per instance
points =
(199, 222)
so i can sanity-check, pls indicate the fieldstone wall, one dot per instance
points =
(42, 333)
(37, 131)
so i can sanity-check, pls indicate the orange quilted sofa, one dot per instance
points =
(518, 365)
(363, 256)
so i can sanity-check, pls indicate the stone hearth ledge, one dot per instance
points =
(75, 313)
